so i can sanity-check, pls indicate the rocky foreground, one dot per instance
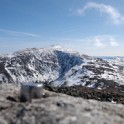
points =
(56, 108)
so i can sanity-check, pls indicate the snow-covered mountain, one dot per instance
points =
(58, 66)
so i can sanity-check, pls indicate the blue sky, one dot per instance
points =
(93, 27)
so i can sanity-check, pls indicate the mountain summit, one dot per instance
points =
(58, 66)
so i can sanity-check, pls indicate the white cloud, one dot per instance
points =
(19, 33)
(103, 41)
(115, 16)
(92, 42)
(97, 42)
(113, 42)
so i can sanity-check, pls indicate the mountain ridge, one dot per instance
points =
(58, 66)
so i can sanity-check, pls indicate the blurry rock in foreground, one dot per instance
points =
(56, 109)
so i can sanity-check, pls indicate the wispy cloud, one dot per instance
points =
(11, 32)
(112, 13)
(109, 44)
(104, 41)
(97, 41)
(113, 42)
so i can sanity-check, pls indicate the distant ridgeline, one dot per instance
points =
(57, 66)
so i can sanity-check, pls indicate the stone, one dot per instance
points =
(56, 108)
(30, 91)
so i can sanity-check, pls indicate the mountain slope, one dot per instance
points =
(58, 66)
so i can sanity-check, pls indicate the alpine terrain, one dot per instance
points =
(57, 66)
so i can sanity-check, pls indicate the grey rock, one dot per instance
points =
(56, 109)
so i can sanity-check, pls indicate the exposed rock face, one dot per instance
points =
(44, 65)
(56, 109)
(56, 66)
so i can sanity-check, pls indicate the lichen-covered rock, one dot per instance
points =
(56, 109)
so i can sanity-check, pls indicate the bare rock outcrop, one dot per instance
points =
(56, 108)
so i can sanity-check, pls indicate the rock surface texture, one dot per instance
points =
(56, 108)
